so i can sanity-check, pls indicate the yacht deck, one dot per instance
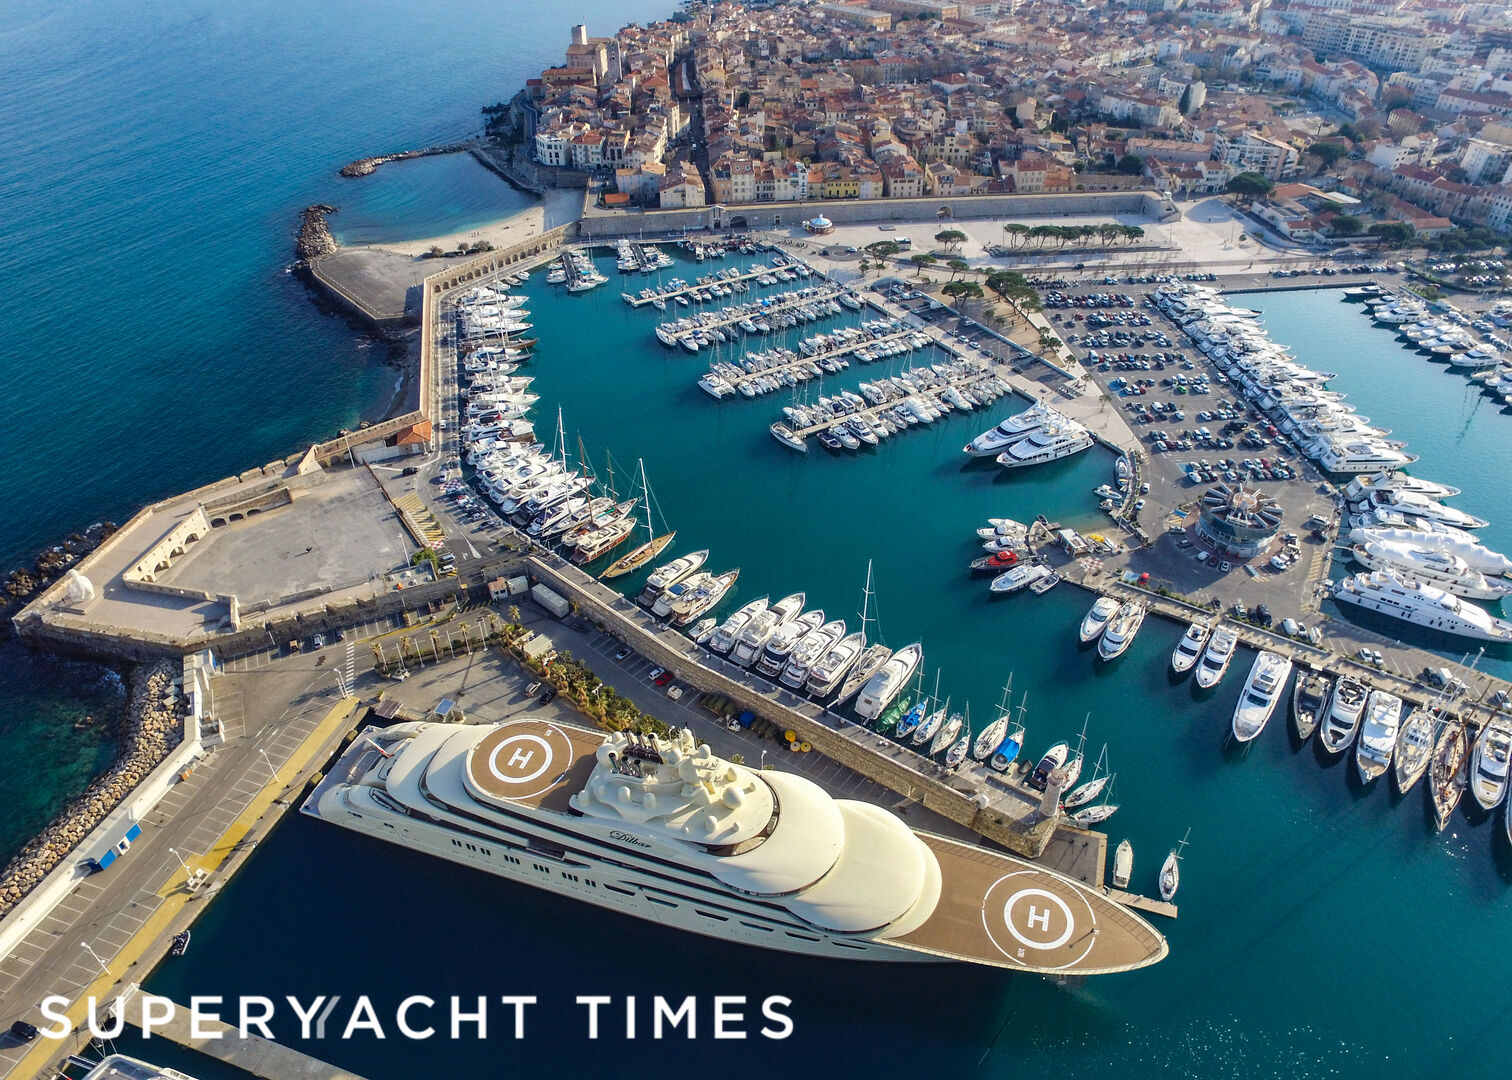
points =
(535, 762)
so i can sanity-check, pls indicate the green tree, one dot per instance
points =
(1393, 233)
(1250, 185)
(1330, 153)
(1017, 233)
(1346, 225)
(963, 290)
(951, 238)
(743, 100)
(1184, 106)
(921, 261)
(1131, 164)
(884, 249)
(957, 266)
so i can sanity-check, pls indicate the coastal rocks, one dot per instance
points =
(152, 727)
(315, 237)
(23, 583)
(366, 166)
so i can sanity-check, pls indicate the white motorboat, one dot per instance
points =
(1266, 683)
(1440, 568)
(1423, 605)
(669, 574)
(887, 683)
(756, 633)
(723, 639)
(1051, 442)
(1096, 620)
(1189, 649)
(1378, 735)
(1488, 764)
(774, 655)
(808, 651)
(1120, 631)
(1123, 864)
(1021, 576)
(829, 669)
(1018, 426)
(1217, 656)
(1342, 720)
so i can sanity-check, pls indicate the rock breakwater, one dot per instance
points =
(24, 582)
(368, 165)
(153, 725)
(315, 237)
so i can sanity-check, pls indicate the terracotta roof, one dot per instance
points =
(415, 433)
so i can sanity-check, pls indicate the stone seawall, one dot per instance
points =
(152, 727)
(368, 165)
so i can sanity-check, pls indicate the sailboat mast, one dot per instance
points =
(865, 601)
(646, 494)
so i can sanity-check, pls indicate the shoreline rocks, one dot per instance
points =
(315, 237)
(153, 726)
(25, 582)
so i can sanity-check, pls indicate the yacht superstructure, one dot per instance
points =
(664, 830)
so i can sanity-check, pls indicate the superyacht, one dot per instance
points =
(1051, 442)
(1018, 426)
(664, 830)
(1420, 604)
(1267, 681)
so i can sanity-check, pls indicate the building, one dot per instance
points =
(1239, 522)
(1259, 153)
(864, 17)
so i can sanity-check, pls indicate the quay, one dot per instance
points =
(717, 319)
(250, 1053)
(724, 277)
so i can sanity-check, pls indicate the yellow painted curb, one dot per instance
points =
(175, 896)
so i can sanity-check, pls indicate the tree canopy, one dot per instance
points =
(1329, 153)
(1131, 164)
(1393, 233)
(1346, 225)
(951, 238)
(1251, 185)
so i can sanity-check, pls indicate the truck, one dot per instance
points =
(552, 602)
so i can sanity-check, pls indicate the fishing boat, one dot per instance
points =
(1342, 720)
(1414, 749)
(1446, 777)
(1119, 634)
(1266, 683)
(991, 736)
(1309, 699)
(1488, 763)
(1217, 656)
(1189, 649)
(1170, 872)
(1123, 864)
(1378, 735)
(1096, 620)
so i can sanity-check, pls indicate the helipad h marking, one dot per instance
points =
(520, 759)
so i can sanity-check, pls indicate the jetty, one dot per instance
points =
(719, 318)
(977, 373)
(724, 277)
(801, 367)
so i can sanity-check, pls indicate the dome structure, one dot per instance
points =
(1238, 521)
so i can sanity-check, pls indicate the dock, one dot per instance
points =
(800, 366)
(724, 277)
(719, 318)
(978, 372)
(251, 1054)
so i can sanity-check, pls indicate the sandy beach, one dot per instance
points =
(557, 207)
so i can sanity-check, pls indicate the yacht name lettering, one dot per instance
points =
(628, 839)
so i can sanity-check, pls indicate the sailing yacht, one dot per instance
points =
(991, 736)
(931, 724)
(654, 544)
(1378, 735)
(1170, 871)
(1267, 681)
(1414, 749)
(872, 657)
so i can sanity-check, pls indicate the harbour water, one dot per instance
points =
(1312, 910)
(152, 205)
(151, 171)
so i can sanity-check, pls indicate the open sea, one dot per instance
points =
(152, 170)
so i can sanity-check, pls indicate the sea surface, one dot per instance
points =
(1325, 930)
(153, 161)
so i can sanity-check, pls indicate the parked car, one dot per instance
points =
(623, 652)
(664, 678)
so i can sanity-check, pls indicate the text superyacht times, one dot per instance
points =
(418, 1017)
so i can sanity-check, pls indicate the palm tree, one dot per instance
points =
(514, 613)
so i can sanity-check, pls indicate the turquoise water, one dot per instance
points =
(1312, 912)
(152, 165)
(1462, 435)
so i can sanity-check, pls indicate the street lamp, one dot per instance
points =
(96, 956)
(269, 763)
(180, 858)
(763, 760)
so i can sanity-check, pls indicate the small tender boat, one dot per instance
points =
(180, 943)
(1309, 699)
(702, 631)
(1123, 864)
(1189, 648)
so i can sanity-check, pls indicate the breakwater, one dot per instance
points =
(25, 582)
(368, 165)
(315, 237)
(153, 725)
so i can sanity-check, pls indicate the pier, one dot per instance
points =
(250, 1053)
(802, 363)
(723, 278)
(716, 319)
(979, 372)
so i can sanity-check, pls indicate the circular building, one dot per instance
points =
(1238, 521)
(820, 226)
